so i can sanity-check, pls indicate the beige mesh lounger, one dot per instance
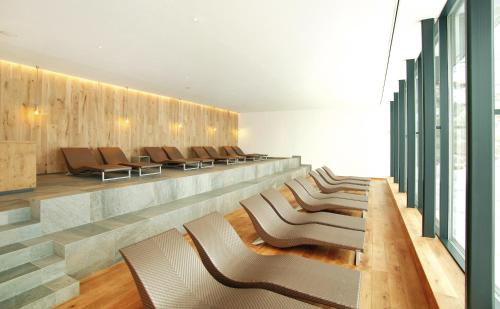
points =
(230, 261)
(336, 177)
(168, 274)
(331, 181)
(319, 195)
(277, 233)
(288, 214)
(329, 188)
(332, 204)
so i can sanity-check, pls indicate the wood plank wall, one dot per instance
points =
(79, 112)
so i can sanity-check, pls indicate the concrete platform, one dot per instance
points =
(81, 223)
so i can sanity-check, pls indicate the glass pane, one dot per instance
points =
(438, 126)
(497, 151)
(416, 134)
(458, 118)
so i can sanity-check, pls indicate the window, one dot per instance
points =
(438, 125)
(458, 134)
(416, 131)
(497, 150)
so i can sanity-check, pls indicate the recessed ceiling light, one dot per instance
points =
(100, 46)
(195, 19)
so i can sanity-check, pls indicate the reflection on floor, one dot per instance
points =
(389, 277)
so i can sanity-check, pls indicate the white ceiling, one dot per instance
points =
(253, 55)
(407, 43)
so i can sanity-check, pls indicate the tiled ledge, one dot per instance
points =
(442, 278)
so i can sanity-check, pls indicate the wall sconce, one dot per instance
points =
(214, 129)
(36, 111)
(127, 121)
(179, 125)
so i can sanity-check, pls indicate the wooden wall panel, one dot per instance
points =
(18, 166)
(79, 112)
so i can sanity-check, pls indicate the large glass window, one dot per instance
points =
(458, 134)
(497, 151)
(416, 132)
(438, 125)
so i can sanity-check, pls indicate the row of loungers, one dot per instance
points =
(227, 274)
(80, 160)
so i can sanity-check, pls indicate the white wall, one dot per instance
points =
(352, 140)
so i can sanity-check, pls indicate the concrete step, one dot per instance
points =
(14, 211)
(24, 252)
(27, 276)
(20, 231)
(46, 295)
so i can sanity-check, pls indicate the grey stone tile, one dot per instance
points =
(75, 209)
(37, 295)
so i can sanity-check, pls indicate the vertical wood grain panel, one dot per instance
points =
(82, 113)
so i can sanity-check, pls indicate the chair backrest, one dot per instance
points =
(113, 155)
(217, 242)
(173, 153)
(329, 171)
(238, 151)
(229, 151)
(318, 179)
(264, 216)
(211, 151)
(323, 174)
(166, 270)
(279, 203)
(306, 185)
(200, 152)
(156, 154)
(78, 157)
(299, 192)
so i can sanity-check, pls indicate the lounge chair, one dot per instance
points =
(158, 155)
(329, 188)
(169, 274)
(278, 233)
(230, 261)
(319, 195)
(81, 161)
(214, 154)
(114, 155)
(229, 150)
(336, 177)
(200, 152)
(231, 153)
(331, 181)
(288, 214)
(332, 204)
(189, 163)
(242, 153)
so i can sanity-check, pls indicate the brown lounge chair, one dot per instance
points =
(336, 177)
(229, 150)
(114, 155)
(277, 233)
(329, 188)
(240, 152)
(201, 152)
(214, 154)
(230, 261)
(320, 196)
(331, 181)
(81, 160)
(169, 274)
(332, 204)
(175, 155)
(158, 155)
(288, 214)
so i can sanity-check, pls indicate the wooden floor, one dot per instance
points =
(389, 275)
(446, 279)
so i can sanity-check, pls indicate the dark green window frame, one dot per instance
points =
(410, 120)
